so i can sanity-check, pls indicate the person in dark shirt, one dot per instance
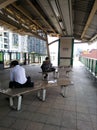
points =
(47, 66)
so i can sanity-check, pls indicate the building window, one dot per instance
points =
(5, 34)
(15, 40)
(5, 40)
(6, 46)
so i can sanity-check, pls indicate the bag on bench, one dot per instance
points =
(29, 83)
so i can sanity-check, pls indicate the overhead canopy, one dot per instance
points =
(69, 18)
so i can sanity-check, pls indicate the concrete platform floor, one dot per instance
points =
(78, 111)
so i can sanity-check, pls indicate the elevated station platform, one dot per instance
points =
(77, 111)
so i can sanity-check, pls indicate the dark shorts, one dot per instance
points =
(13, 84)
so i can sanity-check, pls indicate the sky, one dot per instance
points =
(77, 47)
(84, 47)
(50, 39)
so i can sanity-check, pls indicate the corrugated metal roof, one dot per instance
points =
(69, 18)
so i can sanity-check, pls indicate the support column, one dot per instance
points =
(48, 53)
(66, 51)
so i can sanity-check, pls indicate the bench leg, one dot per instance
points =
(46, 78)
(56, 75)
(63, 91)
(11, 101)
(44, 95)
(39, 93)
(19, 102)
(43, 76)
(67, 73)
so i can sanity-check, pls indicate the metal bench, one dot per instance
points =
(64, 83)
(40, 87)
(18, 92)
(65, 70)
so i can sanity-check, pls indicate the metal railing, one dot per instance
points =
(90, 63)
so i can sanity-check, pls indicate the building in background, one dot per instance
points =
(26, 49)
(83, 47)
(4, 39)
(37, 49)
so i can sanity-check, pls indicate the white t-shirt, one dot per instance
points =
(18, 74)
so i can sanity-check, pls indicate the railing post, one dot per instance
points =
(96, 69)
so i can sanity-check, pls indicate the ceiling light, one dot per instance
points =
(53, 3)
(61, 24)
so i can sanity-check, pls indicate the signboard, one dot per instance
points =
(65, 51)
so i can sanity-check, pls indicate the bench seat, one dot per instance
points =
(18, 92)
(63, 83)
(40, 87)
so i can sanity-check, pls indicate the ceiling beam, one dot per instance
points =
(16, 27)
(53, 42)
(23, 21)
(18, 16)
(52, 10)
(31, 4)
(80, 42)
(93, 38)
(93, 11)
(66, 13)
(4, 3)
(26, 13)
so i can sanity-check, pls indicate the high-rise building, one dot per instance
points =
(26, 49)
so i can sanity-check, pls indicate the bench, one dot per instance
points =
(18, 92)
(66, 70)
(39, 87)
(63, 83)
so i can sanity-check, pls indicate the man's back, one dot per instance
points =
(18, 74)
(18, 77)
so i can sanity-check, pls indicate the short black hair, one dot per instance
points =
(47, 58)
(14, 63)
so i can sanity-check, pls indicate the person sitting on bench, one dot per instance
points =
(47, 67)
(18, 77)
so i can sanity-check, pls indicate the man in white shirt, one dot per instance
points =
(18, 76)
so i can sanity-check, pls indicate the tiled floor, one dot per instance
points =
(78, 111)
